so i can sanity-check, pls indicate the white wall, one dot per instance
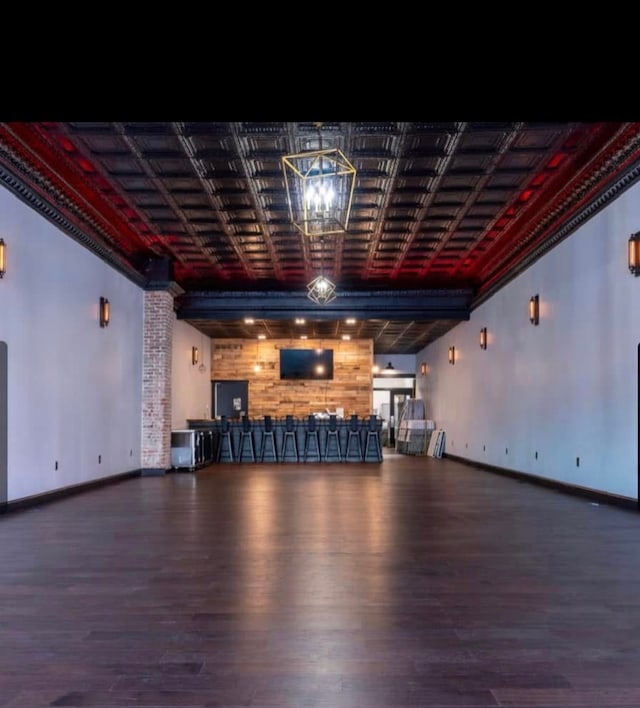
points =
(403, 363)
(564, 389)
(190, 385)
(74, 388)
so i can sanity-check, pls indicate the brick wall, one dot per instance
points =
(156, 380)
(351, 387)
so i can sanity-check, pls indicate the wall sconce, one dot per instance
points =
(634, 253)
(194, 355)
(534, 310)
(483, 338)
(105, 312)
(3, 257)
(423, 368)
(452, 355)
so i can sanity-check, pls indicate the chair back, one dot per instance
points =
(246, 424)
(289, 424)
(354, 424)
(311, 424)
(333, 422)
(268, 424)
(373, 423)
(224, 424)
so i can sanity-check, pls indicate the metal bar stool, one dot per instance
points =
(225, 435)
(311, 434)
(353, 433)
(373, 433)
(332, 434)
(268, 434)
(246, 435)
(289, 434)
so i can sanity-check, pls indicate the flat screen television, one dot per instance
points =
(306, 364)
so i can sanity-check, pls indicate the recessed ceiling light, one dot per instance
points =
(262, 336)
(346, 336)
(350, 320)
(249, 320)
(303, 336)
(300, 320)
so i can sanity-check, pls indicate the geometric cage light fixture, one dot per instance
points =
(321, 290)
(320, 185)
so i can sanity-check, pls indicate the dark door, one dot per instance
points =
(230, 398)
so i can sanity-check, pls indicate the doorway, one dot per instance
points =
(230, 398)
(398, 398)
(388, 404)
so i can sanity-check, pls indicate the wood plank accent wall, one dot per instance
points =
(351, 387)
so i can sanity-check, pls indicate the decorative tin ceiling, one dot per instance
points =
(443, 214)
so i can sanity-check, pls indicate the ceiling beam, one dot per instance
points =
(405, 305)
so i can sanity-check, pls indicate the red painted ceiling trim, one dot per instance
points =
(513, 233)
(37, 151)
(610, 140)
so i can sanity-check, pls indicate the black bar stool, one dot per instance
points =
(373, 433)
(332, 434)
(353, 433)
(311, 433)
(268, 434)
(246, 435)
(225, 435)
(289, 434)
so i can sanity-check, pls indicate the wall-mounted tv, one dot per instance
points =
(306, 364)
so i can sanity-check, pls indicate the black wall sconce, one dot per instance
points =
(105, 312)
(3, 257)
(452, 355)
(194, 355)
(634, 253)
(423, 368)
(534, 310)
(483, 338)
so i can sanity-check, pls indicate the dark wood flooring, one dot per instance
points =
(415, 582)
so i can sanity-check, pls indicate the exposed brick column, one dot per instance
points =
(156, 381)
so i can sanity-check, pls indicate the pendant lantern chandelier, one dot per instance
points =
(319, 186)
(321, 290)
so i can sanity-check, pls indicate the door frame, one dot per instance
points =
(392, 410)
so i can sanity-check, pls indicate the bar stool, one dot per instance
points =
(246, 434)
(332, 434)
(225, 434)
(289, 434)
(268, 434)
(373, 433)
(353, 433)
(311, 433)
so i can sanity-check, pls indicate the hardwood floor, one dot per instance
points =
(415, 582)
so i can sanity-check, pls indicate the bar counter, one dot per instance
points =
(293, 440)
